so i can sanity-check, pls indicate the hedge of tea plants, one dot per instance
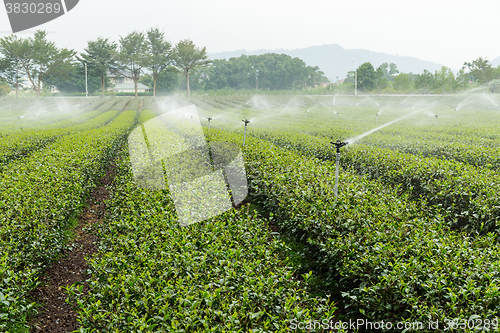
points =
(21, 144)
(389, 257)
(467, 195)
(41, 195)
(226, 274)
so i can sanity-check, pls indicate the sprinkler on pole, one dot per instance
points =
(436, 119)
(246, 121)
(338, 144)
(209, 119)
(376, 116)
(18, 118)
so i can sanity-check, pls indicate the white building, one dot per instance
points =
(129, 87)
(119, 79)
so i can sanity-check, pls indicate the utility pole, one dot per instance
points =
(257, 79)
(86, 85)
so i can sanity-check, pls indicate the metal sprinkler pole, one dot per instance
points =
(246, 121)
(436, 120)
(338, 144)
(209, 119)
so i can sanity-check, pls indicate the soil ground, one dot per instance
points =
(56, 315)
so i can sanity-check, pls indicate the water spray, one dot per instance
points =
(246, 121)
(338, 144)
(359, 137)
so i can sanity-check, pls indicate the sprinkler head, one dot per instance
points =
(246, 121)
(436, 116)
(209, 118)
(339, 144)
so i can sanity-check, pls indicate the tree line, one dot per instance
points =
(268, 71)
(387, 78)
(146, 58)
(44, 64)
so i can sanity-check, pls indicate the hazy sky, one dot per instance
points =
(448, 32)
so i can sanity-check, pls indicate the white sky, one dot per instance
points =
(447, 32)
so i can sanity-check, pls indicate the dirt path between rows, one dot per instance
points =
(56, 315)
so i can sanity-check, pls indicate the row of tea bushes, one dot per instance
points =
(45, 114)
(134, 103)
(225, 274)
(390, 258)
(41, 196)
(473, 154)
(148, 103)
(21, 144)
(467, 195)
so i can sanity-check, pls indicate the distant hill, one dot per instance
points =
(495, 62)
(336, 61)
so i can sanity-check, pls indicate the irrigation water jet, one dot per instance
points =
(359, 137)
(246, 121)
(338, 144)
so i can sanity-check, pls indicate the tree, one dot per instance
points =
(388, 71)
(74, 82)
(159, 57)
(425, 81)
(382, 80)
(146, 80)
(186, 57)
(402, 82)
(99, 57)
(11, 71)
(132, 56)
(445, 79)
(4, 87)
(38, 57)
(393, 69)
(168, 80)
(266, 71)
(480, 69)
(366, 76)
